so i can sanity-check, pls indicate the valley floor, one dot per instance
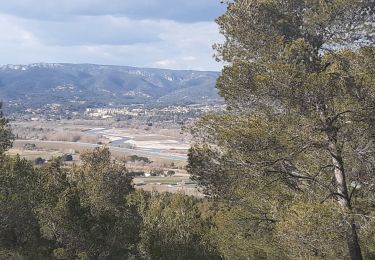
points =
(144, 149)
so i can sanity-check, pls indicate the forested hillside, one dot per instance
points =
(79, 85)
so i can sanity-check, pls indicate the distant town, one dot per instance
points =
(179, 114)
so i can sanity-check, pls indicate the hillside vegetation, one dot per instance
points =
(80, 85)
(287, 169)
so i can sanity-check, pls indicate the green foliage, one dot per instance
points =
(299, 130)
(91, 211)
(172, 227)
(240, 234)
(313, 231)
(104, 184)
(6, 136)
(134, 158)
(88, 216)
(157, 172)
(170, 173)
(39, 161)
(288, 168)
(19, 229)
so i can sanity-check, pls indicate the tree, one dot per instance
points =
(67, 157)
(19, 227)
(39, 161)
(170, 173)
(172, 227)
(157, 172)
(300, 92)
(84, 209)
(6, 136)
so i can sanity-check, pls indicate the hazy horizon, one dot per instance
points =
(97, 64)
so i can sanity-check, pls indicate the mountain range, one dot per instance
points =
(91, 85)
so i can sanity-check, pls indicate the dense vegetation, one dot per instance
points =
(294, 156)
(91, 211)
(288, 169)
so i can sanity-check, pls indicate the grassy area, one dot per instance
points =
(162, 180)
(32, 155)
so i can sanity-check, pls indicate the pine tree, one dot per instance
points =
(6, 136)
(300, 91)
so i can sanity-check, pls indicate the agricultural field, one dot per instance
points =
(142, 150)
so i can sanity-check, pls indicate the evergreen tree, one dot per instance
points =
(173, 227)
(84, 210)
(19, 228)
(6, 136)
(300, 91)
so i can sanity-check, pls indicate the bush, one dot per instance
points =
(157, 172)
(134, 158)
(29, 146)
(39, 161)
(136, 174)
(171, 173)
(68, 157)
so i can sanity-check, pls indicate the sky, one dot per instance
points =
(173, 34)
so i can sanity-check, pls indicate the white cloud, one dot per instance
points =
(166, 63)
(15, 34)
(189, 58)
(109, 40)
